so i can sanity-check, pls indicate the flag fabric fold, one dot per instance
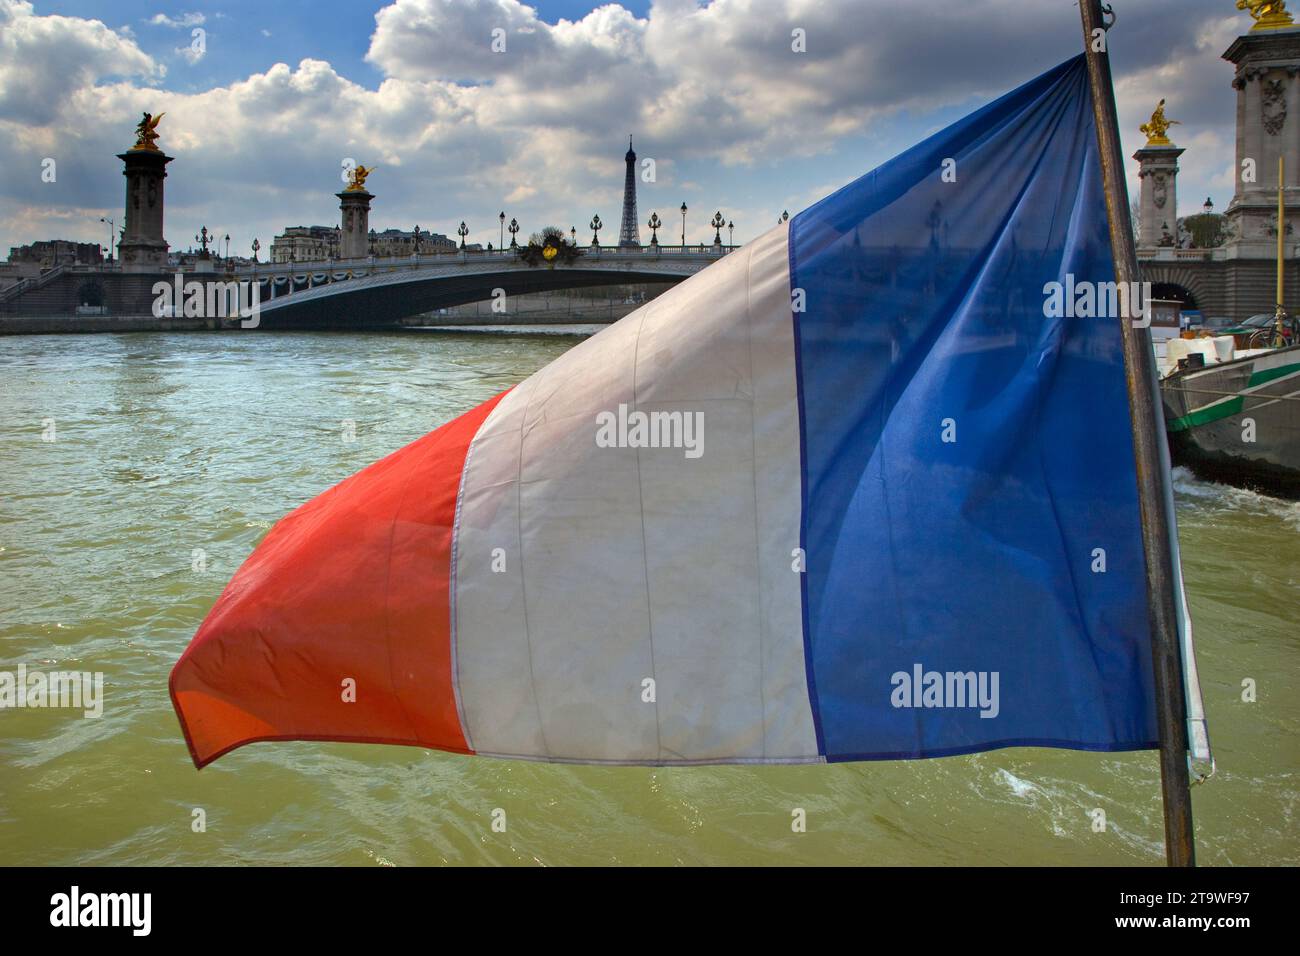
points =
(852, 492)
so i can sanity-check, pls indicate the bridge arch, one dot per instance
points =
(1181, 282)
(91, 293)
(386, 293)
(1175, 291)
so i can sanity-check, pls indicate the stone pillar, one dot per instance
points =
(1267, 82)
(354, 223)
(1158, 200)
(1291, 128)
(142, 247)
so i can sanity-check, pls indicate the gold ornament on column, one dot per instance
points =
(146, 131)
(1268, 14)
(1157, 127)
(357, 178)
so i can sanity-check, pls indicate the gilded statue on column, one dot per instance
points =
(357, 178)
(146, 131)
(1267, 14)
(1157, 127)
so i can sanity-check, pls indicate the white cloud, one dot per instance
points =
(45, 61)
(184, 21)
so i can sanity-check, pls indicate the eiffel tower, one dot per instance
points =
(629, 236)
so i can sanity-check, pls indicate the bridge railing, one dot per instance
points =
(1170, 254)
(330, 266)
(33, 282)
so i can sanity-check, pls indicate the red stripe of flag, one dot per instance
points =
(354, 584)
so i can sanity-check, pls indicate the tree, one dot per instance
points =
(550, 232)
(1206, 230)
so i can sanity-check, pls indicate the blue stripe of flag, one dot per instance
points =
(976, 555)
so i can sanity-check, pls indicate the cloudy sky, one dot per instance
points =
(264, 110)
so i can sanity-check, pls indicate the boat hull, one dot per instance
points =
(1239, 422)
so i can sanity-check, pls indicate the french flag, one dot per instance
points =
(847, 494)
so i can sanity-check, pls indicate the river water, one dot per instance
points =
(170, 444)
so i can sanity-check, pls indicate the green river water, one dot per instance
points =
(168, 443)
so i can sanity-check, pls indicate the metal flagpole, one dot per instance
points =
(1279, 317)
(1152, 477)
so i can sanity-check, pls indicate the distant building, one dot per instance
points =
(395, 242)
(48, 253)
(187, 260)
(305, 244)
(317, 243)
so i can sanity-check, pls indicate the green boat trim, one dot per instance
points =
(1226, 407)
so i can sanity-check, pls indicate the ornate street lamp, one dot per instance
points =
(416, 233)
(683, 227)
(256, 246)
(573, 235)
(717, 224)
(463, 231)
(596, 226)
(513, 229)
(111, 224)
(731, 234)
(1209, 205)
(785, 217)
(227, 245)
(654, 225)
(502, 217)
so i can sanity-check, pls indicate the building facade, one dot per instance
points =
(48, 253)
(305, 244)
(319, 243)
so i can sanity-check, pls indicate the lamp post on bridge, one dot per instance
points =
(111, 226)
(573, 235)
(501, 216)
(731, 234)
(683, 227)
(514, 231)
(416, 234)
(596, 226)
(463, 231)
(256, 247)
(717, 224)
(654, 225)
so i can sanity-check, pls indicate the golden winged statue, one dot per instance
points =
(147, 131)
(1268, 14)
(357, 177)
(1156, 127)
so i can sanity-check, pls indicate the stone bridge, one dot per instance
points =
(352, 293)
(359, 293)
